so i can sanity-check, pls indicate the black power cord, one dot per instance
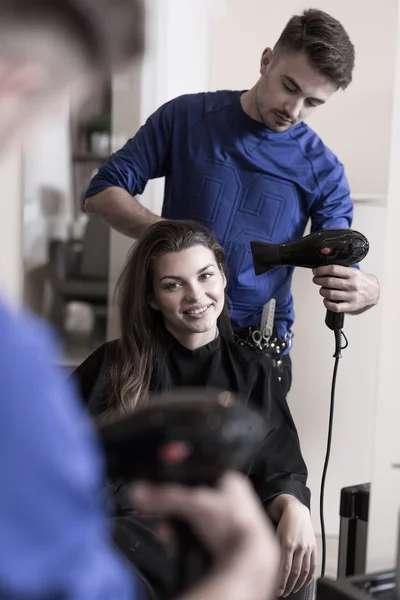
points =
(339, 336)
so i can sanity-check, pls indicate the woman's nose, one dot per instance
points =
(193, 291)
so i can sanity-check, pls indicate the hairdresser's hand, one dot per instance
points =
(297, 540)
(231, 524)
(346, 289)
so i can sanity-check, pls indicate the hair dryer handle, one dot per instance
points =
(193, 560)
(334, 321)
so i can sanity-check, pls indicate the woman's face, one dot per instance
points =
(189, 290)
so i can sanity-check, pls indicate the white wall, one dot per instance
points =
(385, 498)
(47, 168)
(48, 203)
(356, 125)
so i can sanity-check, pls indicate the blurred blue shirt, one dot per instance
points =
(54, 537)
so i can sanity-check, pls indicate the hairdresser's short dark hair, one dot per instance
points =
(325, 42)
(110, 31)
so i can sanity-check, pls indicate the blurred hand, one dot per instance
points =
(346, 289)
(230, 522)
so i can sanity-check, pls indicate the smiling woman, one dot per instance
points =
(192, 296)
(175, 271)
(175, 332)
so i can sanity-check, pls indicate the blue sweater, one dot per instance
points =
(55, 541)
(242, 181)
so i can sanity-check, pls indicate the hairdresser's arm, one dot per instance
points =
(121, 211)
(344, 289)
(111, 193)
(232, 526)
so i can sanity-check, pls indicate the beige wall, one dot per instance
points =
(385, 499)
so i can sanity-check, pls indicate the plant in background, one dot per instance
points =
(98, 132)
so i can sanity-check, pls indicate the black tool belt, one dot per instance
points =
(274, 346)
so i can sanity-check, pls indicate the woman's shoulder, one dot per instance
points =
(87, 374)
(92, 365)
(108, 349)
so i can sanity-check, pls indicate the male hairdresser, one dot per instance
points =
(54, 539)
(246, 165)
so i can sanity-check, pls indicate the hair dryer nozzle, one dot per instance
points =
(326, 247)
(265, 256)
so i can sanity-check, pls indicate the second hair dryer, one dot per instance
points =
(344, 247)
(186, 436)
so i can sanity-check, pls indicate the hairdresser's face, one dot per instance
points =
(189, 290)
(289, 90)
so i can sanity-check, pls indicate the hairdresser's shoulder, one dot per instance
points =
(192, 108)
(314, 149)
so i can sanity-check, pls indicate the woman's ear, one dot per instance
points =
(153, 304)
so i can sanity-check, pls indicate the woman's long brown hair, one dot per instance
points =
(139, 350)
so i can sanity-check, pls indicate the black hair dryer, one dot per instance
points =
(344, 247)
(213, 432)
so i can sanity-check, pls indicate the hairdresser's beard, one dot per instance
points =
(276, 120)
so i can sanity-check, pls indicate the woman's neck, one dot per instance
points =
(192, 341)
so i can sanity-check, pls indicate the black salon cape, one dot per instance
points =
(279, 467)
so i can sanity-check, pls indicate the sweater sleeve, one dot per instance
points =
(145, 156)
(333, 209)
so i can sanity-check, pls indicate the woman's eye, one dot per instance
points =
(206, 275)
(173, 286)
(289, 89)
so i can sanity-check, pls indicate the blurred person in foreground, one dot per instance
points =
(54, 539)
